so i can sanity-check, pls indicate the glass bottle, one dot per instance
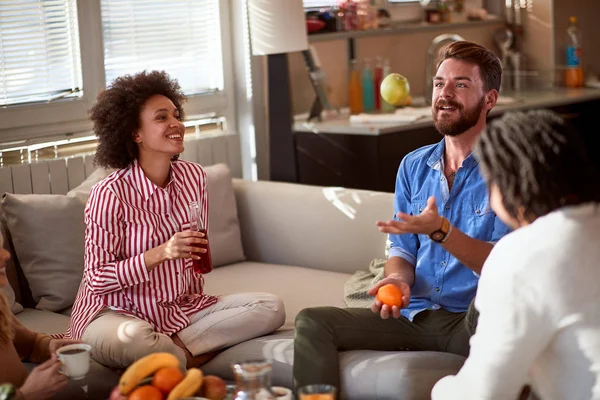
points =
(368, 90)
(204, 264)
(574, 72)
(355, 101)
(387, 69)
(253, 380)
(377, 78)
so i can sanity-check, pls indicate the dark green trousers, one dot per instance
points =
(322, 332)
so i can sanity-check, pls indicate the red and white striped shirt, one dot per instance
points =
(125, 216)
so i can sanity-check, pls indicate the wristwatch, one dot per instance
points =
(442, 234)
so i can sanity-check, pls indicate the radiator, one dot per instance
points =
(60, 175)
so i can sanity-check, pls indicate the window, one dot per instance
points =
(181, 37)
(319, 3)
(57, 55)
(39, 51)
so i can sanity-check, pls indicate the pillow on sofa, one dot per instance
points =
(224, 227)
(82, 192)
(48, 236)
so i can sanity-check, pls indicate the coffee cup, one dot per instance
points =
(75, 359)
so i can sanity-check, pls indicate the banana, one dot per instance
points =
(144, 367)
(188, 386)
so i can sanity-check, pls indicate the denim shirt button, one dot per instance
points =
(437, 288)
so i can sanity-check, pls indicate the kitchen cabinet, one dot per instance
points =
(370, 161)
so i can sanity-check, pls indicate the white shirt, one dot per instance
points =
(538, 296)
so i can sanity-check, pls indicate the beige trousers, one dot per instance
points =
(118, 340)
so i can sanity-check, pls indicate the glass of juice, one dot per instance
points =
(317, 392)
(204, 264)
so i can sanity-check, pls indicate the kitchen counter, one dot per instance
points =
(523, 100)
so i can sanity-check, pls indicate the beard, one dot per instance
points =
(466, 118)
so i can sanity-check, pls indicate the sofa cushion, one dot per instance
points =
(82, 192)
(326, 228)
(292, 284)
(366, 374)
(46, 322)
(47, 234)
(224, 227)
(225, 237)
(394, 375)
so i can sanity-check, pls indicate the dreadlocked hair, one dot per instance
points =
(538, 162)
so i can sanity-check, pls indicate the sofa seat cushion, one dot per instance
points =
(294, 285)
(397, 375)
(366, 374)
(41, 321)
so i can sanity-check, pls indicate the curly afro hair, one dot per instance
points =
(116, 114)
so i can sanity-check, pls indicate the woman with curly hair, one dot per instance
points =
(139, 294)
(539, 321)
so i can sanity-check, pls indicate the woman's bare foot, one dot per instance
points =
(194, 361)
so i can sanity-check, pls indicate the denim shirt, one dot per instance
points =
(440, 279)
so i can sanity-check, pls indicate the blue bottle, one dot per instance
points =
(368, 88)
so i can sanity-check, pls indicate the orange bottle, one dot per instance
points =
(355, 98)
(574, 72)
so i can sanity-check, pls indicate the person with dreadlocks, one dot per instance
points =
(442, 231)
(539, 319)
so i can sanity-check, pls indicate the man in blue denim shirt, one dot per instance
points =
(441, 233)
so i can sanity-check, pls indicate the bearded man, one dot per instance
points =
(442, 230)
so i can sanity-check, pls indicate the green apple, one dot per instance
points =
(395, 89)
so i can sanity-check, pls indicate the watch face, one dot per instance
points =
(437, 236)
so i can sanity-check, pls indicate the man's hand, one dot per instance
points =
(384, 310)
(425, 223)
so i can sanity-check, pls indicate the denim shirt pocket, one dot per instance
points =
(417, 206)
(481, 220)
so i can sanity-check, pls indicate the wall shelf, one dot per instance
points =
(404, 27)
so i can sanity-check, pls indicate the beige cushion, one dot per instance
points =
(82, 192)
(48, 235)
(365, 374)
(224, 228)
(44, 321)
(294, 285)
(225, 237)
(10, 296)
(326, 228)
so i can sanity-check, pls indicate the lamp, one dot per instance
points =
(278, 27)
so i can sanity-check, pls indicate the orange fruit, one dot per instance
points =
(146, 392)
(390, 295)
(165, 379)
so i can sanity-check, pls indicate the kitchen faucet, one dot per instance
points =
(436, 43)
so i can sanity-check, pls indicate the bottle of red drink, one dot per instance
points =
(204, 264)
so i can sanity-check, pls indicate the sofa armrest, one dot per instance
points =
(326, 228)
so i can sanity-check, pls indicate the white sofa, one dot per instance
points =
(299, 242)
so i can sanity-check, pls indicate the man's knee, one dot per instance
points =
(313, 320)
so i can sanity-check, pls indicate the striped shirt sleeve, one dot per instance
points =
(105, 270)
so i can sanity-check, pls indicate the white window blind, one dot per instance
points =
(181, 37)
(319, 3)
(39, 51)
